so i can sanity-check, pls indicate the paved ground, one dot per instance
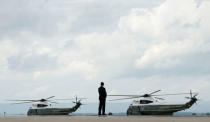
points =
(103, 119)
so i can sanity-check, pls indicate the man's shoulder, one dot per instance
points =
(101, 87)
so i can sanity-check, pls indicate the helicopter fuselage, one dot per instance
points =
(44, 109)
(149, 107)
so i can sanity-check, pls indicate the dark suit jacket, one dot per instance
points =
(102, 93)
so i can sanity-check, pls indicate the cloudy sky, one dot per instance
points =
(67, 47)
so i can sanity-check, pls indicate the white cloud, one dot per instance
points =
(167, 53)
(32, 92)
(73, 45)
(7, 49)
(172, 30)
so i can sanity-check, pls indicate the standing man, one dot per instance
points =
(102, 99)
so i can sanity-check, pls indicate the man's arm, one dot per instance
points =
(99, 91)
(105, 93)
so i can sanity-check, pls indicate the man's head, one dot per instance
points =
(102, 83)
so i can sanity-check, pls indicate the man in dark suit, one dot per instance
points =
(102, 99)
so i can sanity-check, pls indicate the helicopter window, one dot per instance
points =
(41, 105)
(145, 101)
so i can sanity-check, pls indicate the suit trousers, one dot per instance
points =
(102, 105)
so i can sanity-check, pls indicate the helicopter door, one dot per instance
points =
(139, 109)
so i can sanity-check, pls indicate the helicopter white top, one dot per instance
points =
(151, 101)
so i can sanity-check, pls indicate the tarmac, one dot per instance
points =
(103, 119)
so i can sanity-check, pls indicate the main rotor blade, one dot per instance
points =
(70, 99)
(124, 98)
(82, 98)
(63, 99)
(134, 95)
(170, 94)
(22, 102)
(50, 97)
(125, 95)
(155, 92)
(195, 95)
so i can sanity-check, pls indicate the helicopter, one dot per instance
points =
(150, 104)
(44, 106)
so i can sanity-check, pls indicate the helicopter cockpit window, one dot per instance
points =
(41, 105)
(145, 101)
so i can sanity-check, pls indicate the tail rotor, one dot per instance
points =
(190, 93)
(75, 99)
(193, 97)
(78, 100)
